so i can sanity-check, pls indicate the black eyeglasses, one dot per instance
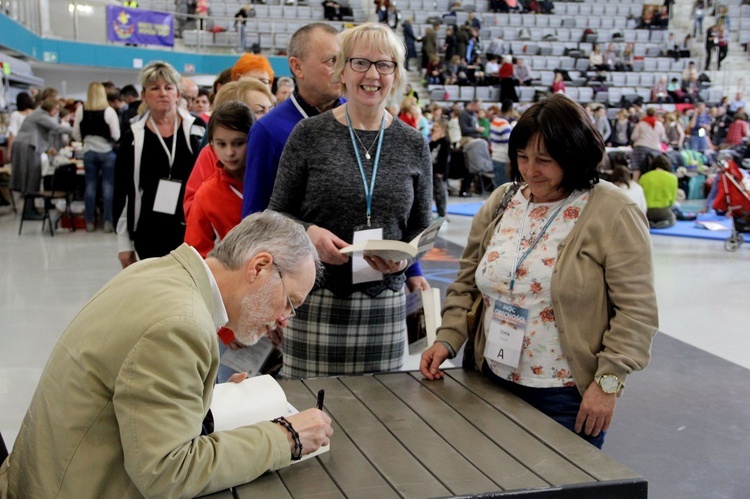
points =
(361, 65)
(293, 311)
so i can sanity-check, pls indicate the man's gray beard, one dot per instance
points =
(253, 320)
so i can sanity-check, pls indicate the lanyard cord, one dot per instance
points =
(368, 189)
(171, 155)
(516, 262)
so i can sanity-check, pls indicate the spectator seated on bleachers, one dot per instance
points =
(434, 72)
(626, 60)
(674, 90)
(538, 6)
(659, 91)
(512, 6)
(521, 73)
(455, 68)
(558, 84)
(491, 68)
(596, 59)
(669, 48)
(612, 58)
(333, 10)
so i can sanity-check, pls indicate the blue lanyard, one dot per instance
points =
(368, 189)
(538, 238)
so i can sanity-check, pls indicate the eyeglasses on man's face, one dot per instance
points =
(292, 310)
(361, 65)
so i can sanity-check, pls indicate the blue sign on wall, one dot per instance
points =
(139, 27)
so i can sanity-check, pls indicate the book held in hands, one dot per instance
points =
(396, 251)
(422, 318)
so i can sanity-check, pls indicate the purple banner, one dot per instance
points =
(139, 27)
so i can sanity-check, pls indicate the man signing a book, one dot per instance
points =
(119, 408)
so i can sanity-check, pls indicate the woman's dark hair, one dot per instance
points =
(620, 175)
(662, 162)
(232, 115)
(24, 102)
(569, 137)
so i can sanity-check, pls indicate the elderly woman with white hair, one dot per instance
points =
(354, 169)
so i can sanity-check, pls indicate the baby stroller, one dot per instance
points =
(733, 197)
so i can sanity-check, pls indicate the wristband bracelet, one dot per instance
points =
(297, 452)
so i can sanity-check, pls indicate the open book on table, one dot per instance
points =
(254, 400)
(422, 318)
(397, 250)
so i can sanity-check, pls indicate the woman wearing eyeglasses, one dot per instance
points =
(353, 169)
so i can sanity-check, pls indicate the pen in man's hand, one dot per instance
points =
(321, 395)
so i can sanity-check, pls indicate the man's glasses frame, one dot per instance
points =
(293, 311)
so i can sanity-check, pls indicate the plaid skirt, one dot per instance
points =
(356, 334)
(640, 157)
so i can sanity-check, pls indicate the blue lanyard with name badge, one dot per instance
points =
(368, 189)
(517, 263)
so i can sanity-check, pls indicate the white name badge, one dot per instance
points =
(361, 270)
(505, 338)
(167, 196)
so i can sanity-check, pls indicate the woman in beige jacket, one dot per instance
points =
(562, 263)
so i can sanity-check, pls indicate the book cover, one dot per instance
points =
(396, 251)
(422, 319)
(250, 359)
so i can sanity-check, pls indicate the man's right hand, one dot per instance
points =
(314, 428)
(127, 258)
(328, 245)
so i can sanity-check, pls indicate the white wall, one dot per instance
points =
(74, 81)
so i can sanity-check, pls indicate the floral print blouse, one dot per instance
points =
(543, 363)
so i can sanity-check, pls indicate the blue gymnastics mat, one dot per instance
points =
(464, 209)
(687, 228)
(683, 228)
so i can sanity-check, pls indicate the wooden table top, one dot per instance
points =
(399, 435)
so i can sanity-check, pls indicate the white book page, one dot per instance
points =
(252, 401)
(241, 404)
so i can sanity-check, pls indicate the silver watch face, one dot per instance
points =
(609, 384)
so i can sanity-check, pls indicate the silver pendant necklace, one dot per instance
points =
(367, 149)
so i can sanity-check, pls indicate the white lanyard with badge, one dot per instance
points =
(168, 191)
(361, 270)
(508, 326)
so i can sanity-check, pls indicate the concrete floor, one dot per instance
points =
(682, 423)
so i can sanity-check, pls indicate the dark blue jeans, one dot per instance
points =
(94, 164)
(561, 404)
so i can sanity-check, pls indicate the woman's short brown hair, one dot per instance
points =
(569, 137)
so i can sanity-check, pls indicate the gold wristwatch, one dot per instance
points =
(609, 383)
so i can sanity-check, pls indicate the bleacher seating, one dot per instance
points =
(555, 40)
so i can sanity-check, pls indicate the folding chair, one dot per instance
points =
(60, 185)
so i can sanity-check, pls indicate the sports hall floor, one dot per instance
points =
(683, 423)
